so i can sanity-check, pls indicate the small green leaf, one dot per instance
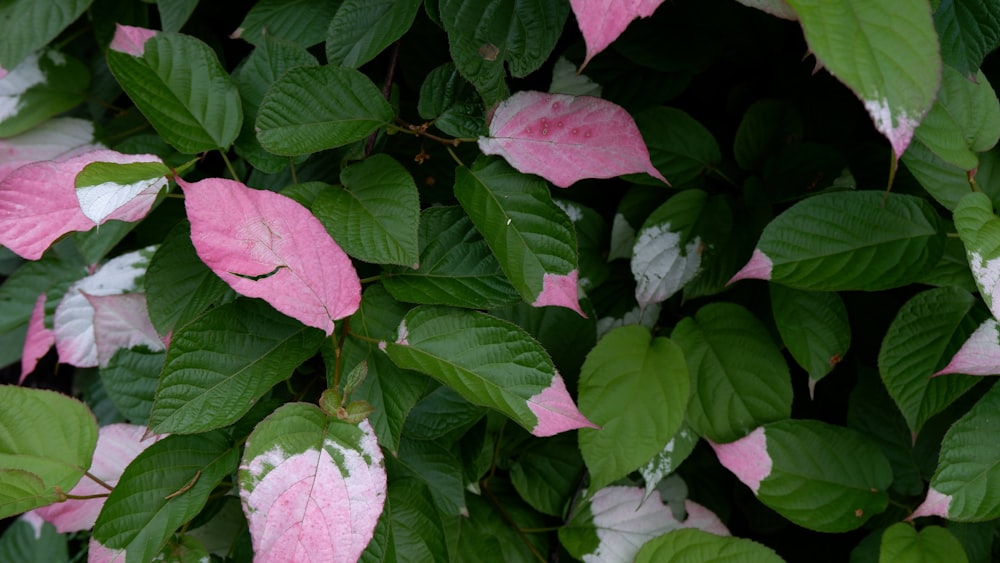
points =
(376, 215)
(546, 473)
(814, 327)
(765, 127)
(44, 84)
(221, 363)
(439, 469)
(38, 23)
(165, 486)
(299, 21)
(739, 379)
(902, 543)
(175, 13)
(452, 103)
(491, 534)
(626, 376)
(979, 230)
(669, 459)
(696, 546)
(416, 524)
(442, 415)
(969, 30)
(361, 29)
(180, 86)
(680, 147)
(130, 379)
(456, 266)
(309, 109)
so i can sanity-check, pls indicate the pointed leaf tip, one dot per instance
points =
(561, 291)
(979, 355)
(746, 458)
(566, 138)
(758, 268)
(602, 21)
(556, 410)
(131, 40)
(935, 504)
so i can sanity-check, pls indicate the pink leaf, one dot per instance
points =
(561, 291)
(121, 321)
(980, 355)
(99, 553)
(747, 458)
(556, 410)
(305, 508)
(266, 245)
(935, 504)
(3, 72)
(567, 138)
(117, 446)
(758, 268)
(38, 202)
(38, 340)
(56, 139)
(602, 21)
(131, 40)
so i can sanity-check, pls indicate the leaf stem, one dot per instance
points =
(98, 480)
(229, 165)
(187, 487)
(892, 175)
(364, 338)
(85, 497)
(718, 172)
(971, 175)
(338, 352)
(370, 279)
(390, 75)
(291, 167)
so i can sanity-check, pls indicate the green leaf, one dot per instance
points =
(485, 34)
(361, 29)
(979, 230)
(439, 469)
(863, 240)
(175, 13)
(164, 487)
(591, 236)
(221, 363)
(895, 70)
(489, 362)
(565, 335)
(299, 21)
(945, 182)
(44, 84)
(964, 120)
(376, 215)
(903, 543)
(680, 147)
(924, 336)
(456, 266)
(416, 525)
(669, 459)
(696, 546)
(23, 543)
(814, 327)
(269, 60)
(180, 86)
(452, 103)
(531, 237)
(442, 414)
(47, 442)
(391, 390)
(625, 377)
(546, 473)
(179, 286)
(633, 209)
(54, 272)
(739, 379)
(765, 127)
(38, 23)
(968, 30)
(130, 380)
(309, 109)
(496, 535)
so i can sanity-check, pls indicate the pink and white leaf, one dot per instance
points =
(602, 21)
(131, 40)
(37, 341)
(124, 202)
(567, 138)
(23, 77)
(317, 505)
(556, 411)
(56, 139)
(746, 458)
(266, 245)
(758, 268)
(935, 504)
(117, 446)
(74, 318)
(625, 520)
(38, 202)
(99, 553)
(979, 355)
(121, 321)
(560, 291)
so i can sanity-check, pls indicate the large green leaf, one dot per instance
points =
(933, 544)
(485, 34)
(376, 214)
(299, 21)
(739, 379)
(164, 487)
(968, 30)
(130, 380)
(29, 25)
(180, 86)
(696, 546)
(44, 84)
(442, 415)
(979, 230)
(438, 468)
(175, 13)
(489, 362)
(456, 266)
(309, 109)
(532, 238)
(682, 149)
(24, 543)
(391, 390)
(220, 364)
(46, 443)
(628, 375)
(813, 325)
(565, 335)
(894, 69)
(865, 240)
(925, 334)
(361, 29)
(416, 525)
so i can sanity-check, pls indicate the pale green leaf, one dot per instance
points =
(696, 546)
(361, 29)
(902, 543)
(299, 21)
(38, 23)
